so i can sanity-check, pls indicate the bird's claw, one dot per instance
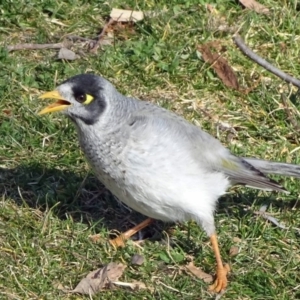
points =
(118, 242)
(220, 283)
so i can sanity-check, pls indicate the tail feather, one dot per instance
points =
(257, 179)
(271, 167)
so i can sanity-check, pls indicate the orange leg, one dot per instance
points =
(220, 283)
(120, 240)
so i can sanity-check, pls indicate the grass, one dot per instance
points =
(51, 202)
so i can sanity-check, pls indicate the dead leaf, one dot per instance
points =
(236, 239)
(124, 15)
(283, 47)
(67, 54)
(137, 259)
(219, 64)
(99, 279)
(6, 112)
(234, 250)
(199, 273)
(254, 5)
(121, 30)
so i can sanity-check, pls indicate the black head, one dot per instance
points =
(83, 97)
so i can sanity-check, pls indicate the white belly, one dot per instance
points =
(175, 197)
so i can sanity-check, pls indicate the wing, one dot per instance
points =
(166, 136)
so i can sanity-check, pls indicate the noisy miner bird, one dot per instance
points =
(155, 161)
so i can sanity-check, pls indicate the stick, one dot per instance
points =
(34, 46)
(248, 52)
(101, 35)
(75, 38)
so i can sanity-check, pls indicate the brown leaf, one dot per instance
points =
(234, 250)
(199, 273)
(257, 7)
(220, 65)
(122, 30)
(7, 112)
(123, 22)
(236, 239)
(100, 279)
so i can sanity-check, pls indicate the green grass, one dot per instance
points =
(51, 202)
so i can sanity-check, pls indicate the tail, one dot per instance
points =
(243, 171)
(271, 167)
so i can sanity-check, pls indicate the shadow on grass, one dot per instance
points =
(85, 199)
(239, 201)
(88, 201)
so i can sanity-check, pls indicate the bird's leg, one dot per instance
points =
(120, 240)
(220, 283)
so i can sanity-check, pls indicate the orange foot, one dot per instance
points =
(121, 239)
(220, 283)
(117, 242)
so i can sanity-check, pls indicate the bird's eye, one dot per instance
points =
(81, 98)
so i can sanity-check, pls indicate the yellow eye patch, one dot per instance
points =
(88, 100)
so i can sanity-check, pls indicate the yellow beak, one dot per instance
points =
(59, 105)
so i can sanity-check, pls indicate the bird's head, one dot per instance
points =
(82, 97)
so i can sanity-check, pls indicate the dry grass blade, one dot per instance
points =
(199, 273)
(290, 115)
(134, 285)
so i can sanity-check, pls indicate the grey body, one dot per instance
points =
(158, 163)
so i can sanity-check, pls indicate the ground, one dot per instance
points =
(51, 201)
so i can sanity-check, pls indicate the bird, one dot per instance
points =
(155, 161)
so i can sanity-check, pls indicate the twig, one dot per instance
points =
(247, 51)
(101, 35)
(90, 42)
(75, 38)
(263, 212)
(35, 46)
(290, 116)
